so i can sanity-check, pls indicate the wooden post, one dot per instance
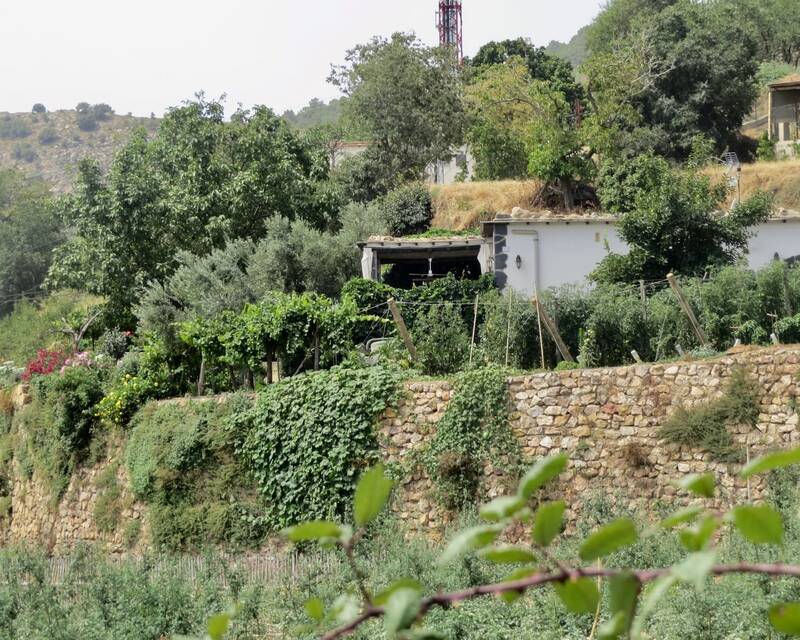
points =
(553, 331)
(687, 309)
(508, 325)
(474, 327)
(643, 296)
(539, 322)
(636, 356)
(401, 329)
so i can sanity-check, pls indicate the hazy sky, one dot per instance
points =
(146, 55)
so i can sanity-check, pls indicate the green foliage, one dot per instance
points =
(12, 127)
(181, 462)
(407, 210)
(765, 151)
(307, 438)
(473, 432)
(29, 231)
(441, 339)
(73, 393)
(200, 182)
(707, 426)
(48, 135)
(405, 98)
(670, 221)
(25, 151)
(39, 108)
(109, 505)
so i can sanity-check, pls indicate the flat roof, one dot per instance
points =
(388, 242)
(787, 82)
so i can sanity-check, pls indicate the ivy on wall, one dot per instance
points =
(473, 431)
(308, 438)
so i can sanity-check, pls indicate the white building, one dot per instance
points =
(530, 251)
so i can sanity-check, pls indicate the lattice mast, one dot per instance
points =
(450, 26)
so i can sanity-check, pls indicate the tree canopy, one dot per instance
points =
(198, 183)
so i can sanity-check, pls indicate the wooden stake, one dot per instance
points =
(636, 356)
(553, 331)
(687, 309)
(539, 322)
(508, 325)
(643, 296)
(474, 327)
(401, 329)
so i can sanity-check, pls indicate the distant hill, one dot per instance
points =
(574, 51)
(50, 145)
(316, 112)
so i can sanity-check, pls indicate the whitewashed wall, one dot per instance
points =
(568, 250)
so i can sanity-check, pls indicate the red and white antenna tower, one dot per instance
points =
(450, 25)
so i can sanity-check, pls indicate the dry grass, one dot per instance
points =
(780, 178)
(463, 205)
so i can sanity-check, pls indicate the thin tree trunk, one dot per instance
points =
(201, 379)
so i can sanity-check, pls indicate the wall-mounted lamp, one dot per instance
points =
(519, 262)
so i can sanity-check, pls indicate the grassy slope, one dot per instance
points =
(781, 178)
(56, 162)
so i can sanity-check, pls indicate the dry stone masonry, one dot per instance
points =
(607, 420)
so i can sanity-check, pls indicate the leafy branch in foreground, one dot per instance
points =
(632, 594)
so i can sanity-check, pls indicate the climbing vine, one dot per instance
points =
(309, 437)
(473, 431)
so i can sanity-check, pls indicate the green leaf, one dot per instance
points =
(542, 472)
(421, 634)
(701, 484)
(345, 608)
(579, 595)
(785, 618)
(624, 590)
(614, 627)
(607, 539)
(372, 492)
(501, 508)
(404, 583)
(696, 538)
(315, 609)
(470, 540)
(776, 460)
(695, 568)
(548, 522)
(218, 626)
(652, 595)
(314, 530)
(682, 516)
(759, 524)
(401, 609)
(507, 555)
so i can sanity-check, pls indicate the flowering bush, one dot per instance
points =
(45, 362)
(80, 359)
(125, 398)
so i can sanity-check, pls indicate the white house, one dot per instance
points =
(530, 251)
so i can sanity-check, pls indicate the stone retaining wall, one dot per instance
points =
(607, 419)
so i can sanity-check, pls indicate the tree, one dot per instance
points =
(39, 108)
(775, 26)
(617, 21)
(29, 231)
(406, 98)
(672, 221)
(199, 183)
(523, 127)
(541, 65)
(695, 66)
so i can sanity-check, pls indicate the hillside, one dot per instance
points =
(50, 145)
(574, 51)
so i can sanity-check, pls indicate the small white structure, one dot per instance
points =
(532, 251)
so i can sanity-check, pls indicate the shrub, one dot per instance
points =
(766, 148)
(441, 339)
(407, 210)
(181, 462)
(307, 439)
(510, 321)
(102, 111)
(39, 108)
(45, 363)
(707, 426)
(114, 343)
(25, 152)
(12, 127)
(74, 392)
(48, 135)
(123, 400)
